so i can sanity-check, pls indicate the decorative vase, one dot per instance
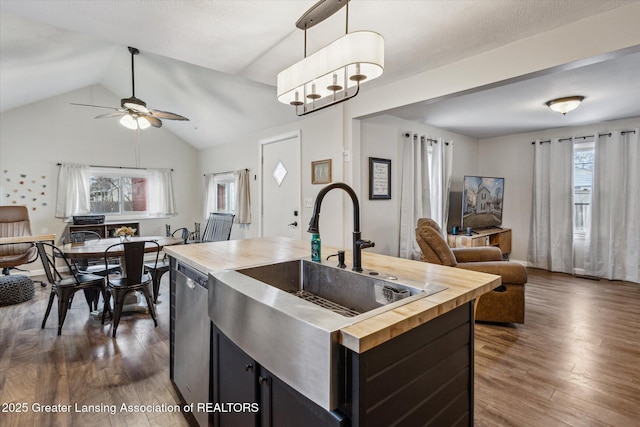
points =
(125, 238)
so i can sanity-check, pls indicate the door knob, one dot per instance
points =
(293, 224)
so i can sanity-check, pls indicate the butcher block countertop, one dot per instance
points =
(462, 285)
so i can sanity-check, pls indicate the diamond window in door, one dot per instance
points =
(279, 173)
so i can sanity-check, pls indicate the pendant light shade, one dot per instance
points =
(343, 64)
(334, 73)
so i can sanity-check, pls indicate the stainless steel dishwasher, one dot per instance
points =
(192, 338)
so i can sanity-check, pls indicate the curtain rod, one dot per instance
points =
(116, 167)
(547, 141)
(422, 138)
(222, 173)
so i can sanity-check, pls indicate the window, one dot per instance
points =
(583, 154)
(133, 193)
(221, 193)
(117, 194)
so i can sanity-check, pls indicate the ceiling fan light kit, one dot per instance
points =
(566, 104)
(334, 73)
(134, 113)
(133, 123)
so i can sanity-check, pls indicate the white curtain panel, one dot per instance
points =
(243, 196)
(551, 234)
(160, 190)
(415, 202)
(209, 195)
(614, 237)
(74, 185)
(442, 161)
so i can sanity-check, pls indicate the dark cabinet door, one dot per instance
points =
(236, 383)
(238, 378)
(282, 406)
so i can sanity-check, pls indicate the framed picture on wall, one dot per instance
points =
(321, 172)
(379, 178)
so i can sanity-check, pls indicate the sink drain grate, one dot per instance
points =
(336, 308)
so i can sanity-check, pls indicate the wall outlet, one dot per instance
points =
(308, 202)
(346, 155)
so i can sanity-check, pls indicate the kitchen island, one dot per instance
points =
(411, 362)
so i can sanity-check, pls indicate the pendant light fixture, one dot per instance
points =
(564, 105)
(334, 73)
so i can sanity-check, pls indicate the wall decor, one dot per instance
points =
(321, 172)
(379, 178)
(16, 188)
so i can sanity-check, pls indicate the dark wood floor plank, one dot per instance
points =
(579, 350)
(85, 367)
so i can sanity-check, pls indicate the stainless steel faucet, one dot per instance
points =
(358, 243)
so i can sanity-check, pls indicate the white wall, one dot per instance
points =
(34, 138)
(320, 138)
(511, 157)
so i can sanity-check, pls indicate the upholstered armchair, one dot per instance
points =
(504, 304)
(14, 222)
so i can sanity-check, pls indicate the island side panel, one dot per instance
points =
(172, 315)
(422, 377)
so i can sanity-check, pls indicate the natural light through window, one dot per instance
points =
(119, 192)
(583, 154)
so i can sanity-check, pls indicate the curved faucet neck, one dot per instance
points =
(315, 219)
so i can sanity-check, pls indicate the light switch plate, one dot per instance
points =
(308, 202)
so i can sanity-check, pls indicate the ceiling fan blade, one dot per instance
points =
(94, 106)
(118, 113)
(167, 115)
(155, 122)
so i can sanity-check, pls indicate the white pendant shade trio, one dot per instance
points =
(564, 105)
(334, 73)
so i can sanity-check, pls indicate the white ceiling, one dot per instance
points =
(216, 61)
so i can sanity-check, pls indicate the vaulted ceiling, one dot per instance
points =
(216, 61)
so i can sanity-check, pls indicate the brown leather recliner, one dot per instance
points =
(504, 304)
(14, 222)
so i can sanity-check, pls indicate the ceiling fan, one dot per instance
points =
(133, 112)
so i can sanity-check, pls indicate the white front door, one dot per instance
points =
(281, 186)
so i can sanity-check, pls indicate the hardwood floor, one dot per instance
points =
(576, 361)
(85, 366)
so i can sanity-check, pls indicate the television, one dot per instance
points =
(482, 199)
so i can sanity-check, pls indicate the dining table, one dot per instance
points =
(97, 248)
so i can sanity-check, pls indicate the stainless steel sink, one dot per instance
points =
(338, 290)
(287, 316)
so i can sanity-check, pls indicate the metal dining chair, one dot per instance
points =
(65, 286)
(86, 265)
(134, 277)
(158, 268)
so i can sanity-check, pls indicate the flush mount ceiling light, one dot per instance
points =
(564, 105)
(334, 73)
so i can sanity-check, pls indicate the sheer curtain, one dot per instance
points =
(614, 237)
(74, 185)
(160, 189)
(442, 160)
(243, 196)
(551, 234)
(209, 194)
(415, 193)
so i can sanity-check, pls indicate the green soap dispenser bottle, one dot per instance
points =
(315, 248)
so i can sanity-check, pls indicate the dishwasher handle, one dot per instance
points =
(193, 276)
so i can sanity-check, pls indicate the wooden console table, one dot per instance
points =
(500, 237)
